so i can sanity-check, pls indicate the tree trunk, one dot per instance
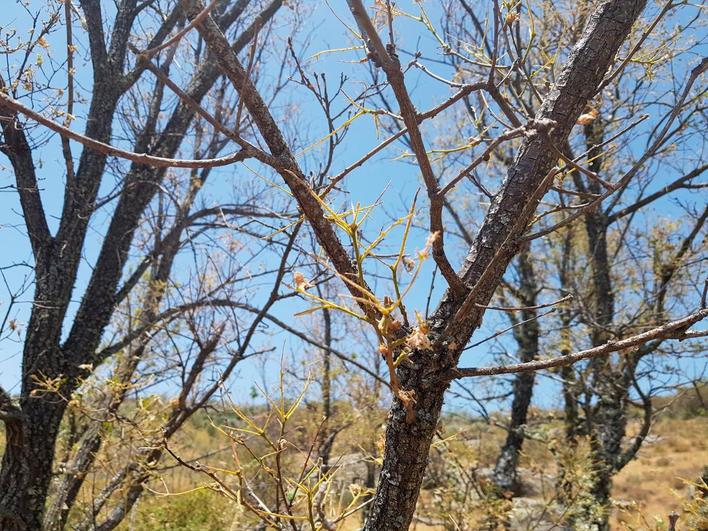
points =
(68, 488)
(27, 463)
(327, 434)
(405, 459)
(407, 444)
(505, 476)
(609, 420)
(26, 469)
(568, 376)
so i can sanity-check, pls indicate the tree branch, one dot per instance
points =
(139, 158)
(677, 184)
(17, 149)
(387, 59)
(97, 39)
(672, 330)
(287, 165)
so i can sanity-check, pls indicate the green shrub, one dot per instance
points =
(200, 510)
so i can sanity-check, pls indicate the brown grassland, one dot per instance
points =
(663, 478)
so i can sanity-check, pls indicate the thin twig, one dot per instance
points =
(525, 308)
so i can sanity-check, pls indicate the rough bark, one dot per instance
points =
(27, 462)
(26, 467)
(407, 444)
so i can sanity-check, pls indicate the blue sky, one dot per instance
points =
(323, 32)
(321, 35)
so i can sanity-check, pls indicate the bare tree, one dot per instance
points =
(421, 382)
(55, 363)
(421, 353)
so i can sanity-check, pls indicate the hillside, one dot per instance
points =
(663, 477)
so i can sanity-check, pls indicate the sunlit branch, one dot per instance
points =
(672, 330)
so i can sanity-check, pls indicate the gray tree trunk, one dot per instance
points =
(608, 416)
(505, 475)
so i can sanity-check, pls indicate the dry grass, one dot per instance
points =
(659, 480)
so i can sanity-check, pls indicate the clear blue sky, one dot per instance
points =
(322, 31)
